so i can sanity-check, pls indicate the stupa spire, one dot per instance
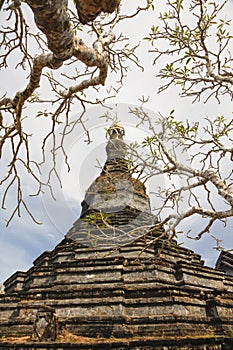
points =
(115, 202)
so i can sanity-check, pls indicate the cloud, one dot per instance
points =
(23, 240)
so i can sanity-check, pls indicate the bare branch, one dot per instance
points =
(198, 68)
(55, 47)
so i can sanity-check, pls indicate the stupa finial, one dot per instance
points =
(115, 131)
(116, 148)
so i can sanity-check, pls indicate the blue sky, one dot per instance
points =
(22, 241)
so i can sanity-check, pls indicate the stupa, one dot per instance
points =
(117, 281)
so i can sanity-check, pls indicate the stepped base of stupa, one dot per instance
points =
(132, 294)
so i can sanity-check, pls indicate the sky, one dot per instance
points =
(23, 240)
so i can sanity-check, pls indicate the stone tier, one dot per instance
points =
(122, 344)
(113, 229)
(134, 291)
